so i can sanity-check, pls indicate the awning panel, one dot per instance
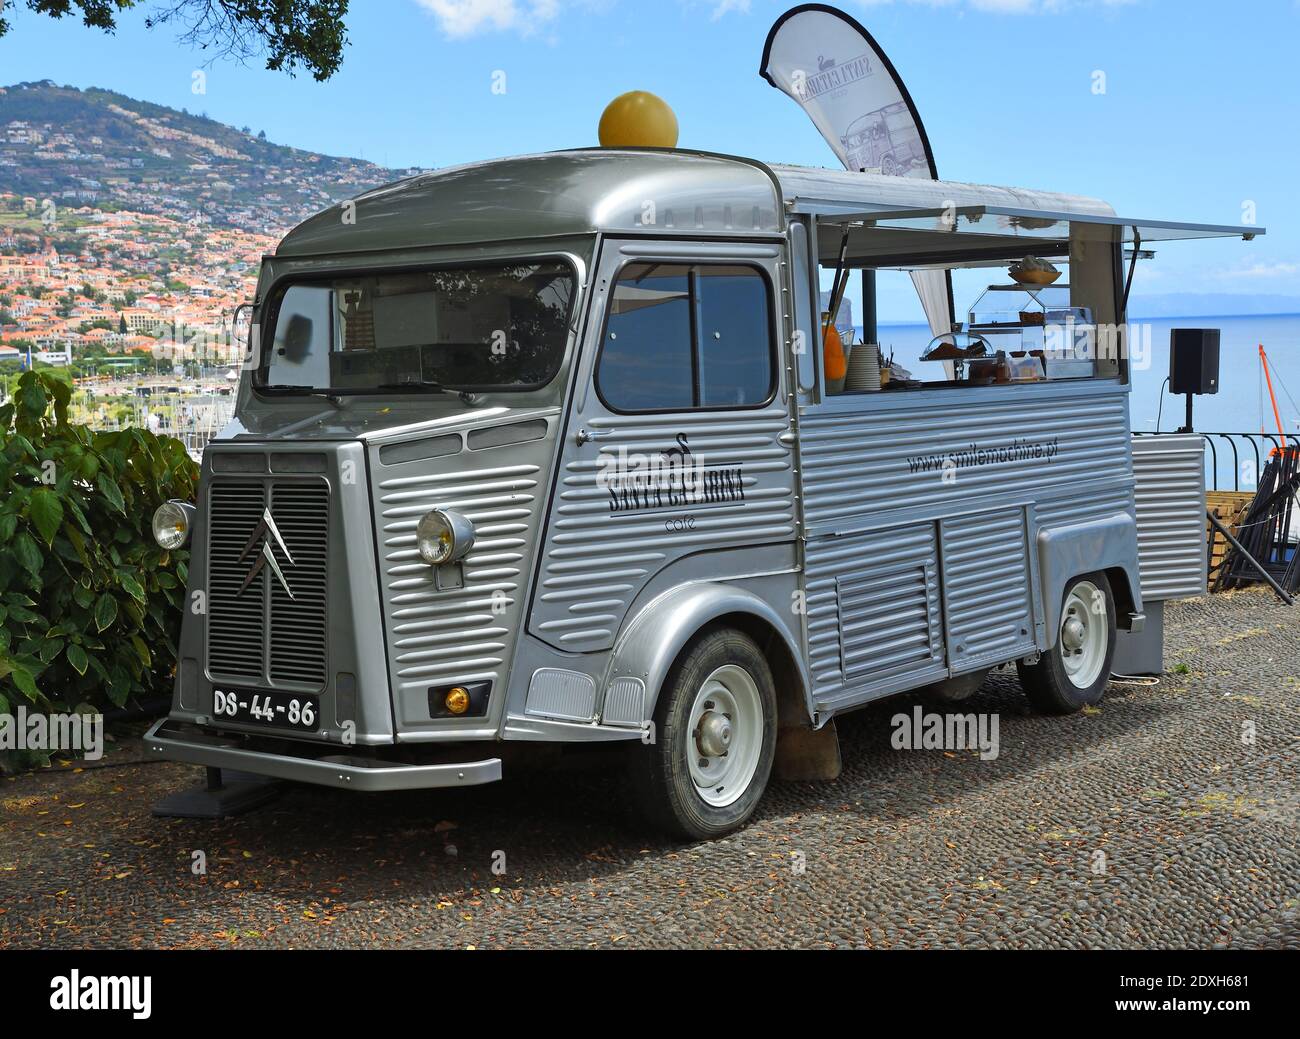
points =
(971, 233)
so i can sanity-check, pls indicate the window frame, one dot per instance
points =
(691, 264)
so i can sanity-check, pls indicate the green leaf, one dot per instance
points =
(27, 553)
(118, 687)
(26, 684)
(132, 586)
(78, 515)
(109, 489)
(77, 541)
(105, 611)
(50, 649)
(8, 524)
(77, 658)
(46, 512)
(142, 651)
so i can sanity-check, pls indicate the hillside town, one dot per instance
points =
(138, 306)
(128, 238)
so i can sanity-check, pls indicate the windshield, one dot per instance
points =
(488, 328)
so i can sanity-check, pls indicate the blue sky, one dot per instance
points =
(1201, 112)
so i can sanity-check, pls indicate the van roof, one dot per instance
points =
(567, 193)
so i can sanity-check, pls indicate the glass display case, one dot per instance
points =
(1037, 320)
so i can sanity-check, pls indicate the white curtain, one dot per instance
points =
(932, 287)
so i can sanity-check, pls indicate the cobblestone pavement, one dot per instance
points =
(1148, 822)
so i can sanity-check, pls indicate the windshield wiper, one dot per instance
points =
(314, 391)
(329, 392)
(424, 385)
(301, 391)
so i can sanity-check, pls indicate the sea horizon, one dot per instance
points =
(1144, 317)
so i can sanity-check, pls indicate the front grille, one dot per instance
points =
(258, 633)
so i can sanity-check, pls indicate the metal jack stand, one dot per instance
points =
(226, 793)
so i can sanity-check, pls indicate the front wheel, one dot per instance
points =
(714, 739)
(1074, 672)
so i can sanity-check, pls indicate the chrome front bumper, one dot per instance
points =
(173, 741)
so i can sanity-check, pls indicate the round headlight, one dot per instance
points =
(443, 536)
(171, 524)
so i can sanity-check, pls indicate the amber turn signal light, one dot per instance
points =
(457, 701)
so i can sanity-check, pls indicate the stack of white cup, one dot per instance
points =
(864, 368)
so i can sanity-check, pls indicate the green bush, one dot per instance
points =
(89, 604)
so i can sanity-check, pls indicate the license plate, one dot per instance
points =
(276, 710)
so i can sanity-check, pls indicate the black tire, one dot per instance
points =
(1048, 683)
(661, 777)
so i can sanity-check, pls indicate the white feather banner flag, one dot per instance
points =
(835, 71)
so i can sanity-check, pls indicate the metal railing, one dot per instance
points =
(1260, 445)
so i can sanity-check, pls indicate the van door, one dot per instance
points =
(676, 463)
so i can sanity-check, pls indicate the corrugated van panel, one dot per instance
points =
(1170, 495)
(986, 590)
(599, 556)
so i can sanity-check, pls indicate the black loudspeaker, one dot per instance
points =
(1194, 360)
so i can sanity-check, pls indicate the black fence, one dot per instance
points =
(1227, 454)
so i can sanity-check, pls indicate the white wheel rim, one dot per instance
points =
(725, 735)
(1082, 639)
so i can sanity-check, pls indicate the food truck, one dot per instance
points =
(541, 450)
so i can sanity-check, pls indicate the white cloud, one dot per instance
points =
(460, 18)
(740, 6)
(1281, 269)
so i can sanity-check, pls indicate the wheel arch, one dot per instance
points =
(1127, 597)
(654, 639)
(1108, 546)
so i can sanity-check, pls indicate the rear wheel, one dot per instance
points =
(1074, 672)
(715, 737)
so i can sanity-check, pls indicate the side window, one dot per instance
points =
(646, 359)
(687, 336)
(736, 356)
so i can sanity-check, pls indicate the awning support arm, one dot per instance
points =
(1132, 267)
(839, 285)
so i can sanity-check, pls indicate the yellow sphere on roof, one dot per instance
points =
(638, 119)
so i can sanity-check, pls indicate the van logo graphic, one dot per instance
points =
(267, 532)
(673, 478)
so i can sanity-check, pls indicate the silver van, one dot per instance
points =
(541, 450)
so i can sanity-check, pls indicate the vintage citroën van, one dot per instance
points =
(541, 449)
